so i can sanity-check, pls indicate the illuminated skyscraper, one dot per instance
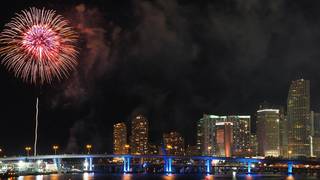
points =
(315, 121)
(283, 126)
(315, 133)
(241, 132)
(139, 135)
(174, 143)
(206, 135)
(268, 132)
(241, 135)
(299, 124)
(120, 139)
(224, 138)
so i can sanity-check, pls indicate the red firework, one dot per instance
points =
(38, 46)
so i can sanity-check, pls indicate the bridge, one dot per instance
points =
(167, 159)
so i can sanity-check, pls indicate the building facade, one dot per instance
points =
(120, 145)
(224, 138)
(298, 113)
(241, 134)
(174, 143)
(268, 132)
(139, 135)
(206, 135)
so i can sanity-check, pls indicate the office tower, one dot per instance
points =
(224, 138)
(241, 135)
(120, 145)
(283, 127)
(139, 135)
(268, 131)
(298, 113)
(315, 133)
(316, 146)
(174, 143)
(206, 135)
(241, 132)
(315, 124)
(253, 145)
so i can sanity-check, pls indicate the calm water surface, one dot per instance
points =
(92, 176)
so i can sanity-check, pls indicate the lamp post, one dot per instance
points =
(28, 149)
(289, 153)
(209, 150)
(55, 149)
(89, 147)
(126, 147)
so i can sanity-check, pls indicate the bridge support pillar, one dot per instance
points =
(57, 162)
(126, 164)
(249, 167)
(90, 164)
(290, 167)
(208, 166)
(168, 165)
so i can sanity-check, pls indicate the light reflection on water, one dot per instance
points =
(126, 177)
(209, 177)
(92, 176)
(290, 177)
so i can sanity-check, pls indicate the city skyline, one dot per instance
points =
(173, 61)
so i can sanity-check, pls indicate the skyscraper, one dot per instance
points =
(174, 143)
(139, 135)
(283, 127)
(206, 135)
(268, 132)
(315, 120)
(120, 139)
(224, 138)
(315, 133)
(298, 113)
(241, 134)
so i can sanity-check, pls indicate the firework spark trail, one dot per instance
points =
(36, 128)
(38, 46)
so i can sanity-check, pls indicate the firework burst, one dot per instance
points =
(38, 46)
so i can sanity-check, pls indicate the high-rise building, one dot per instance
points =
(139, 135)
(283, 127)
(120, 145)
(315, 124)
(206, 135)
(241, 132)
(298, 113)
(174, 143)
(224, 138)
(315, 133)
(254, 145)
(241, 135)
(316, 146)
(268, 132)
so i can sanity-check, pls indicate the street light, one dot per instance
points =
(28, 149)
(289, 152)
(89, 147)
(127, 146)
(55, 148)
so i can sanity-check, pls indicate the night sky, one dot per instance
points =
(170, 60)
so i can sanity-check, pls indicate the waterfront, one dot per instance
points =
(100, 176)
